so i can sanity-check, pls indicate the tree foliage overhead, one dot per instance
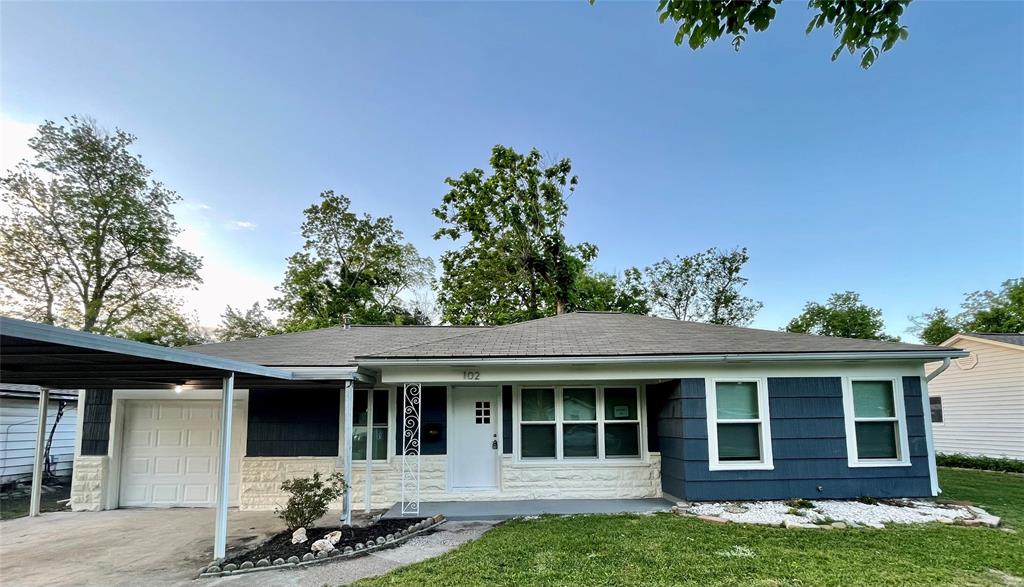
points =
(166, 326)
(842, 315)
(515, 263)
(604, 292)
(981, 311)
(238, 324)
(868, 26)
(349, 264)
(704, 287)
(87, 236)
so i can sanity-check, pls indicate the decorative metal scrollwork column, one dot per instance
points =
(411, 449)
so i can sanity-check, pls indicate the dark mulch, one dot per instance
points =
(280, 545)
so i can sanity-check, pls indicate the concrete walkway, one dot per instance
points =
(503, 510)
(168, 547)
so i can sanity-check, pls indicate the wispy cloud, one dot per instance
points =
(241, 225)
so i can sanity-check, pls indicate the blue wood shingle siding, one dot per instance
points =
(808, 442)
(281, 425)
(96, 421)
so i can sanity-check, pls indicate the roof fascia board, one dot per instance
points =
(719, 358)
(98, 342)
(998, 343)
(356, 373)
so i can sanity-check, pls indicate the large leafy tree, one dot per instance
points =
(238, 324)
(868, 26)
(515, 263)
(166, 326)
(604, 292)
(349, 264)
(704, 287)
(86, 234)
(842, 315)
(981, 311)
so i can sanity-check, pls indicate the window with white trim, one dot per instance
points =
(370, 423)
(579, 422)
(739, 427)
(876, 426)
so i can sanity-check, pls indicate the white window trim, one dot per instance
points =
(902, 445)
(370, 426)
(559, 422)
(767, 462)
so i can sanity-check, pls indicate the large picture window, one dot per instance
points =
(579, 422)
(739, 432)
(370, 427)
(876, 433)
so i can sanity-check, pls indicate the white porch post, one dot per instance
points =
(220, 540)
(346, 433)
(37, 467)
(368, 485)
(411, 449)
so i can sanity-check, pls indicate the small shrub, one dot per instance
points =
(799, 503)
(984, 463)
(795, 512)
(310, 498)
(867, 500)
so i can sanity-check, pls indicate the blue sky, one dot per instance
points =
(904, 183)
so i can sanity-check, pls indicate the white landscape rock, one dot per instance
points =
(852, 513)
(299, 536)
(334, 537)
(322, 545)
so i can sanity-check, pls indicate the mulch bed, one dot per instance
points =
(280, 545)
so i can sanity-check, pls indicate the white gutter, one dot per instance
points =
(929, 435)
(718, 358)
(937, 372)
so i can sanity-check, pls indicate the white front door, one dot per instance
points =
(170, 453)
(473, 438)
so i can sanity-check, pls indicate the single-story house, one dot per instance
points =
(581, 405)
(977, 405)
(19, 425)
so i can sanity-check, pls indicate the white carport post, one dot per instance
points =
(37, 467)
(346, 434)
(220, 539)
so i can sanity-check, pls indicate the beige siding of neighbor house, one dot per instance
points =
(983, 404)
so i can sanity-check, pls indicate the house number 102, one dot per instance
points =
(471, 375)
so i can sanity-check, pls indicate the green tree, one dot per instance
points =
(86, 235)
(515, 263)
(238, 324)
(842, 315)
(165, 326)
(983, 311)
(349, 264)
(603, 292)
(868, 26)
(704, 287)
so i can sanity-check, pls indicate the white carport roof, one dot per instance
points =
(48, 356)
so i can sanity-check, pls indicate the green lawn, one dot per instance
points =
(671, 550)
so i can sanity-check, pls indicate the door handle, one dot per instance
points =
(494, 443)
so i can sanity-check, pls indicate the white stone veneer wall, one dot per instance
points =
(262, 477)
(88, 483)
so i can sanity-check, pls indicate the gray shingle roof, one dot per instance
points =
(580, 334)
(1007, 337)
(327, 347)
(596, 334)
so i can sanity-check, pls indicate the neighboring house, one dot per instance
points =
(582, 405)
(19, 421)
(977, 404)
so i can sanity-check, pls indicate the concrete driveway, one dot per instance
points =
(168, 547)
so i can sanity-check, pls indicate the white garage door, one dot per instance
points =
(170, 453)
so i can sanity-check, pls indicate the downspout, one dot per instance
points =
(926, 408)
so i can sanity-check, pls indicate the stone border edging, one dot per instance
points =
(345, 554)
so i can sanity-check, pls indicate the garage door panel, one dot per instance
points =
(170, 456)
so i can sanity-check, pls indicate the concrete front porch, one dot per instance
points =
(503, 510)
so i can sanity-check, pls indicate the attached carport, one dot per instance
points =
(58, 358)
